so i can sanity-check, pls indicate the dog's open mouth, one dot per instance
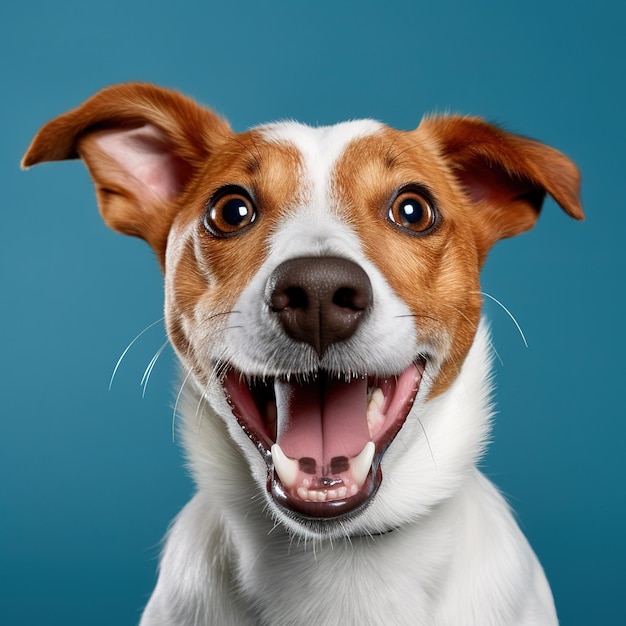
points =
(323, 437)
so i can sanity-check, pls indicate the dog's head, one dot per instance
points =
(322, 284)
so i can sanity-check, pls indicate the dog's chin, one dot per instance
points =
(322, 437)
(350, 524)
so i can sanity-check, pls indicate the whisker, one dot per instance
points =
(393, 159)
(255, 157)
(493, 348)
(484, 293)
(201, 402)
(388, 158)
(215, 375)
(212, 315)
(129, 346)
(419, 316)
(174, 412)
(432, 456)
(258, 150)
(148, 370)
(346, 534)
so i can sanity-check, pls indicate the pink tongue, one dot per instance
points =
(323, 419)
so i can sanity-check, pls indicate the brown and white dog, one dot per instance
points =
(322, 293)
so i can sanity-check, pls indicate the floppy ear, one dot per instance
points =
(143, 145)
(505, 176)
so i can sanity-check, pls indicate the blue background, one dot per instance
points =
(91, 477)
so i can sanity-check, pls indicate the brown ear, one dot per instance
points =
(505, 176)
(142, 145)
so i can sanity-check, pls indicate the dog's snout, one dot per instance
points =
(319, 300)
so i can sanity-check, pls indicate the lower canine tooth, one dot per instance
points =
(361, 464)
(286, 468)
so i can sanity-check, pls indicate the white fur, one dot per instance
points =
(454, 555)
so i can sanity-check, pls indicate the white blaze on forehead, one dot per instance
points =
(320, 148)
(311, 226)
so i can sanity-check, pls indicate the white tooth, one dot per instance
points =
(375, 415)
(303, 493)
(286, 468)
(378, 398)
(362, 463)
(342, 492)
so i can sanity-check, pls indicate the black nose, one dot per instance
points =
(319, 300)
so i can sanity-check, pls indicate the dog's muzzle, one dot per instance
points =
(322, 435)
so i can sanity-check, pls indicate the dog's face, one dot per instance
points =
(322, 284)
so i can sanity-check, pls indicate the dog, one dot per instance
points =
(322, 294)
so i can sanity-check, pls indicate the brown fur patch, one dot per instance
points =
(486, 183)
(211, 272)
(188, 133)
(436, 274)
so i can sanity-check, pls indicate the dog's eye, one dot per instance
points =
(412, 210)
(229, 211)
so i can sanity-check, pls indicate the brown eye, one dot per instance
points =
(413, 211)
(229, 211)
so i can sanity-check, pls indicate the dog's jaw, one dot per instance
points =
(323, 438)
(438, 444)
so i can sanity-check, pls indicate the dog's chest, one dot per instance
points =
(365, 580)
